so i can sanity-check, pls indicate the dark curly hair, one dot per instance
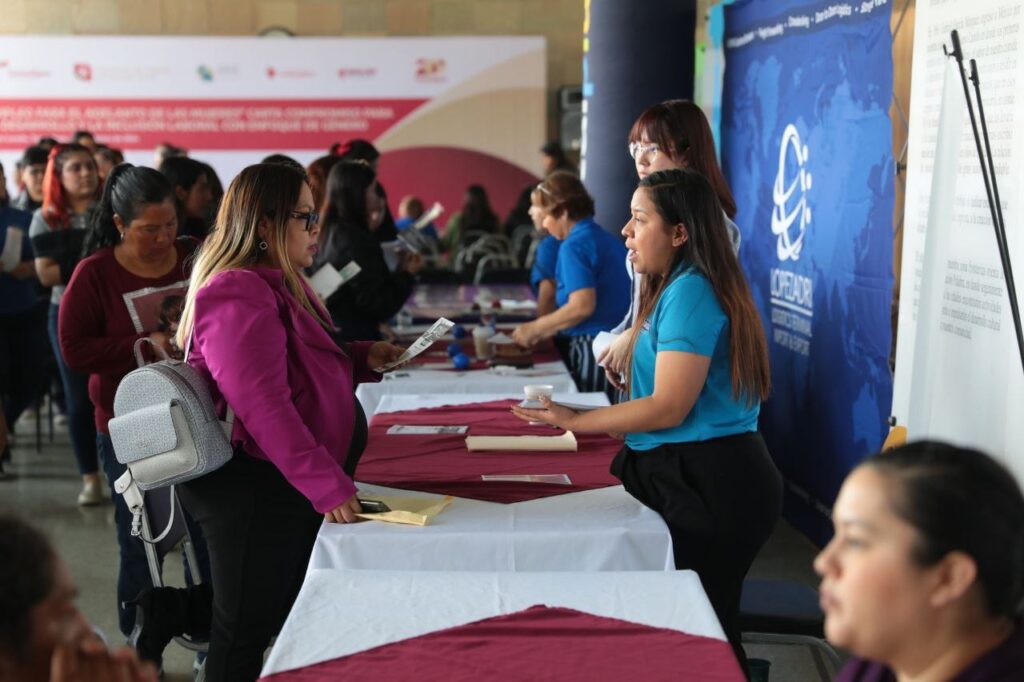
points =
(28, 567)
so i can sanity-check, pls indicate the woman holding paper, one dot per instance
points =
(698, 372)
(591, 288)
(263, 342)
(370, 293)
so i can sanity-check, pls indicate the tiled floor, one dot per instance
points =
(44, 485)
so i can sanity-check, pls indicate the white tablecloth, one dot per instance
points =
(592, 530)
(401, 403)
(383, 607)
(432, 381)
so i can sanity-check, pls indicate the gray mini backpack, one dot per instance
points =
(165, 429)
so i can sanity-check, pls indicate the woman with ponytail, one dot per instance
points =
(118, 295)
(698, 371)
(70, 189)
(924, 578)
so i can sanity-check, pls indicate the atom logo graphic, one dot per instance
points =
(791, 213)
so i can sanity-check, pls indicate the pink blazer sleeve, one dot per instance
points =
(240, 333)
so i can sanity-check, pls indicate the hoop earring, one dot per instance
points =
(262, 246)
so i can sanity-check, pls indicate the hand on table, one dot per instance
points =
(527, 335)
(614, 358)
(345, 512)
(381, 353)
(553, 413)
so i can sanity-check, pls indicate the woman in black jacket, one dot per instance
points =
(351, 214)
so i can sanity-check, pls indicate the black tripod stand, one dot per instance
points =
(988, 174)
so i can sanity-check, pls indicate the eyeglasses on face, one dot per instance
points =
(311, 218)
(638, 149)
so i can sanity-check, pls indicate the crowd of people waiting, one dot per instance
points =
(168, 255)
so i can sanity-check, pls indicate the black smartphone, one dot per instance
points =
(373, 506)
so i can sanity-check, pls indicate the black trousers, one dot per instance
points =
(260, 532)
(721, 499)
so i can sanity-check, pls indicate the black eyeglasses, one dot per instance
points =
(311, 218)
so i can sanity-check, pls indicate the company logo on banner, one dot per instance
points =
(806, 147)
(83, 71)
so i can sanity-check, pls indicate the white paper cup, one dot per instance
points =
(537, 391)
(482, 342)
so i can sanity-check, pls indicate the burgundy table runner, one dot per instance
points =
(539, 643)
(441, 463)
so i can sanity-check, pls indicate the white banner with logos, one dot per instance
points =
(958, 370)
(447, 112)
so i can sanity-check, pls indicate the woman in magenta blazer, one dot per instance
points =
(264, 342)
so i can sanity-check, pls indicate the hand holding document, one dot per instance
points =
(429, 217)
(436, 331)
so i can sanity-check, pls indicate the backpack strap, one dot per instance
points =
(135, 500)
(137, 349)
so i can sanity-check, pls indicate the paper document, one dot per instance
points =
(564, 443)
(11, 255)
(416, 430)
(511, 304)
(436, 331)
(600, 342)
(558, 479)
(411, 511)
(534, 404)
(327, 279)
(429, 217)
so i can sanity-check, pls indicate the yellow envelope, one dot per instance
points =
(564, 443)
(412, 511)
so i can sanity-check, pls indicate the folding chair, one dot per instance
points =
(156, 514)
(784, 612)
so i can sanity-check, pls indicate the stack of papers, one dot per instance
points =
(564, 443)
(411, 511)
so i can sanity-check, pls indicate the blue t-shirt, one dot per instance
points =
(16, 295)
(545, 259)
(591, 258)
(688, 318)
(429, 230)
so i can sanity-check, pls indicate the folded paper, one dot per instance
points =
(564, 443)
(411, 511)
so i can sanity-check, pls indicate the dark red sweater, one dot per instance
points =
(105, 309)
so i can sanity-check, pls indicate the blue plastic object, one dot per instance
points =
(454, 349)
(461, 361)
(459, 332)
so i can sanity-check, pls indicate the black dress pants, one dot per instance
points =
(260, 532)
(721, 499)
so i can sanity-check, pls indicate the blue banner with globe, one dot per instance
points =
(807, 149)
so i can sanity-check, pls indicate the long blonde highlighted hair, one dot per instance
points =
(263, 191)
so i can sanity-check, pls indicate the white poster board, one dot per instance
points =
(958, 370)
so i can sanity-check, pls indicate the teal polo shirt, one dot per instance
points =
(688, 318)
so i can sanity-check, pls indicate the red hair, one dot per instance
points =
(55, 208)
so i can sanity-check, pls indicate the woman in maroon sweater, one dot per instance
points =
(924, 578)
(131, 287)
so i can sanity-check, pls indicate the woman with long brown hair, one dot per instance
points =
(264, 344)
(698, 373)
(671, 134)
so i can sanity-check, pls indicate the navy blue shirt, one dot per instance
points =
(591, 258)
(16, 295)
(545, 260)
(689, 318)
